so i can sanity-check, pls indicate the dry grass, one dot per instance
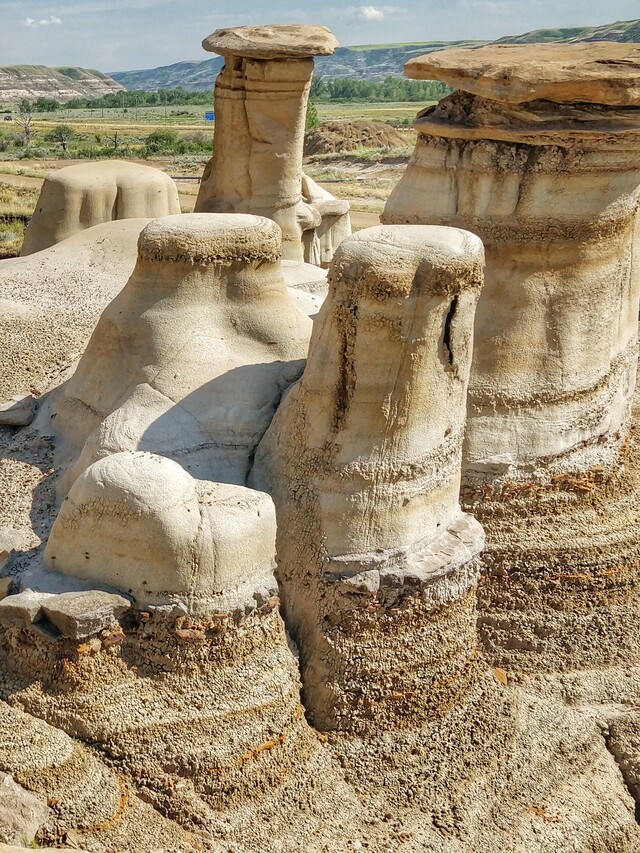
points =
(11, 238)
(16, 200)
(16, 205)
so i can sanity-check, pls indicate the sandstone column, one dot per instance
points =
(261, 99)
(539, 154)
(376, 562)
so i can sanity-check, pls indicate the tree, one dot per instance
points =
(46, 105)
(23, 115)
(312, 119)
(61, 133)
(163, 142)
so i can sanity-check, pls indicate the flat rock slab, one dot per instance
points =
(18, 411)
(23, 609)
(83, 614)
(273, 42)
(595, 72)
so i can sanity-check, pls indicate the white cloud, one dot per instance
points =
(52, 20)
(370, 13)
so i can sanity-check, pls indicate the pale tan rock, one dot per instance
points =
(84, 195)
(549, 464)
(594, 72)
(51, 301)
(284, 41)
(22, 609)
(91, 803)
(18, 411)
(261, 98)
(5, 583)
(191, 359)
(21, 814)
(556, 328)
(78, 615)
(363, 460)
(141, 523)
(8, 848)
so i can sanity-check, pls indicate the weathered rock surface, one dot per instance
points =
(81, 196)
(597, 72)
(191, 359)
(90, 804)
(141, 523)
(78, 615)
(549, 463)
(370, 494)
(18, 411)
(22, 609)
(21, 813)
(284, 41)
(261, 99)
(192, 712)
(51, 301)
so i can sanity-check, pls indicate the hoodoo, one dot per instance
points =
(538, 154)
(261, 99)
(363, 460)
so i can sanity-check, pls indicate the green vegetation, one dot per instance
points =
(139, 98)
(389, 90)
(312, 119)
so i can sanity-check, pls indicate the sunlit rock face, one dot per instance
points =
(261, 97)
(540, 159)
(363, 460)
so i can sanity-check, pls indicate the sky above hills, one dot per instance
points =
(120, 35)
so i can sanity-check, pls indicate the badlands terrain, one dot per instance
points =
(321, 540)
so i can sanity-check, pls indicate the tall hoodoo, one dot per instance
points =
(538, 154)
(363, 461)
(261, 99)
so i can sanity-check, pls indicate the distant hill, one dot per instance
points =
(619, 31)
(373, 62)
(62, 84)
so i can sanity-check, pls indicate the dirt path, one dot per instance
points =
(20, 180)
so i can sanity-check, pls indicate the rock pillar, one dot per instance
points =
(376, 562)
(261, 99)
(538, 154)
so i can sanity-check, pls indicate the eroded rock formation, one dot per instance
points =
(81, 196)
(363, 460)
(261, 99)
(51, 301)
(540, 159)
(202, 387)
(148, 668)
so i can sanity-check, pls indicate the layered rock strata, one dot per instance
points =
(166, 715)
(261, 99)
(81, 196)
(363, 460)
(180, 672)
(542, 163)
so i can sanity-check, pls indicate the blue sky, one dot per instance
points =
(120, 35)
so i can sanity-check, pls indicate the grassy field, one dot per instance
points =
(365, 177)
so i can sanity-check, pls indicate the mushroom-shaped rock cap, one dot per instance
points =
(388, 257)
(210, 237)
(284, 41)
(595, 72)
